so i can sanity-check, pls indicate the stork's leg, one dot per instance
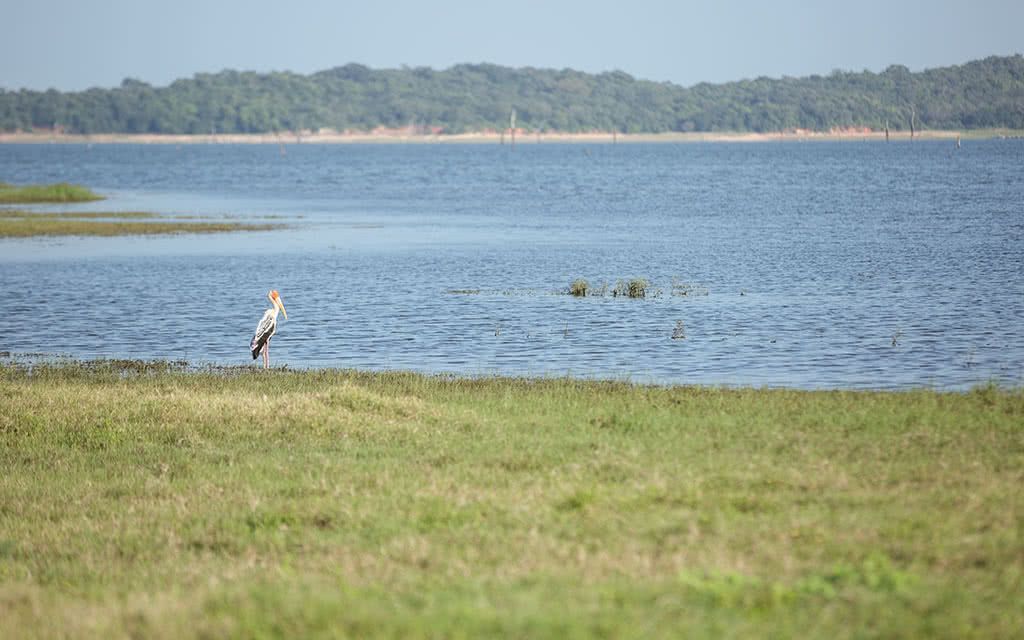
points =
(266, 355)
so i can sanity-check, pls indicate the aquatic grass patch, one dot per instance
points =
(636, 288)
(152, 500)
(632, 288)
(627, 288)
(20, 224)
(60, 192)
(579, 288)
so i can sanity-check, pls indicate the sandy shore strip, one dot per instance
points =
(405, 136)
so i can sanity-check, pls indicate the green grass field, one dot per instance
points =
(144, 501)
(61, 192)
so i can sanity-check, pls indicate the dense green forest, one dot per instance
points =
(475, 97)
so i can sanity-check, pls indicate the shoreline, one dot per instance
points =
(29, 361)
(403, 136)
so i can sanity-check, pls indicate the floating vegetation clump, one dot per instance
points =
(579, 288)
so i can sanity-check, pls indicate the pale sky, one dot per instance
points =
(76, 44)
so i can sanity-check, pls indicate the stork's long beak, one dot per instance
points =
(281, 304)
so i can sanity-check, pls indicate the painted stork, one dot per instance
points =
(266, 328)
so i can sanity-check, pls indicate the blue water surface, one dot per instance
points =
(810, 265)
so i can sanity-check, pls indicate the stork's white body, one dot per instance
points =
(266, 329)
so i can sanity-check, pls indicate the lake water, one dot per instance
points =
(812, 265)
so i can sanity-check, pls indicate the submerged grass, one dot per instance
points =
(70, 215)
(61, 192)
(25, 224)
(22, 224)
(140, 500)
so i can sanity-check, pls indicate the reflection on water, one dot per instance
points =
(824, 265)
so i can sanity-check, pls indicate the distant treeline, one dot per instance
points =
(476, 97)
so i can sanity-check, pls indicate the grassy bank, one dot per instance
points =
(62, 192)
(141, 501)
(22, 224)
